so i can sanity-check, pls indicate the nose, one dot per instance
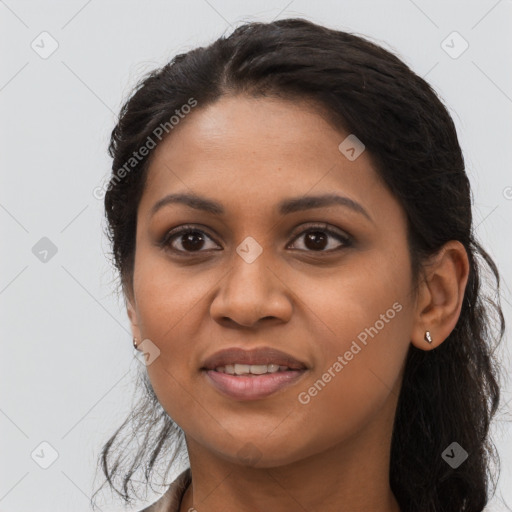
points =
(250, 293)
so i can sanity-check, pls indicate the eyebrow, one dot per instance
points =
(285, 207)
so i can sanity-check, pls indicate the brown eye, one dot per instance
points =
(316, 239)
(190, 239)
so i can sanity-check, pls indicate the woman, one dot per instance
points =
(291, 220)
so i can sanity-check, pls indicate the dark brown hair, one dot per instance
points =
(448, 394)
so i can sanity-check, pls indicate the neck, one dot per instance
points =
(348, 477)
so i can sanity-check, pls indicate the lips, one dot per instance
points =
(252, 374)
(240, 359)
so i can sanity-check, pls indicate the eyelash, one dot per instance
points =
(186, 229)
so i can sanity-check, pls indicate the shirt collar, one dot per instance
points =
(171, 500)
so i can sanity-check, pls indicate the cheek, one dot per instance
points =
(365, 300)
(168, 305)
(362, 351)
(344, 405)
(167, 296)
(172, 305)
(359, 374)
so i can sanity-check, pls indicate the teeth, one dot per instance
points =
(242, 369)
(258, 369)
(253, 369)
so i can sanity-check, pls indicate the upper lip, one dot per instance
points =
(263, 355)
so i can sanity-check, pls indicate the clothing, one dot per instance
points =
(171, 500)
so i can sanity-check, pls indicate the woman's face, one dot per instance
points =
(337, 299)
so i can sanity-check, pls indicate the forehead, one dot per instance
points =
(246, 126)
(242, 149)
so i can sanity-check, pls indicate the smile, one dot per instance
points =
(251, 369)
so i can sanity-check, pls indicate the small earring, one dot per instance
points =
(428, 337)
(135, 343)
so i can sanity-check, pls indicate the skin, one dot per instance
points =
(331, 454)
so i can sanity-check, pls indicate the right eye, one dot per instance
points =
(190, 238)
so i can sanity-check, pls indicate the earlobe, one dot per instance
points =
(134, 322)
(440, 296)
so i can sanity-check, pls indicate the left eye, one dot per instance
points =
(316, 239)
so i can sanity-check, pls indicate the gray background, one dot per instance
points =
(67, 364)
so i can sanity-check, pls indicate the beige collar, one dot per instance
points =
(171, 500)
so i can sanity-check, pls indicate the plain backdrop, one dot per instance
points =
(67, 364)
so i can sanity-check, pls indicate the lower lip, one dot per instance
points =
(252, 387)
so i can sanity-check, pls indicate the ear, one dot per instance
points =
(132, 315)
(440, 295)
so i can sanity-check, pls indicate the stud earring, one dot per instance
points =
(135, 343)
(428, 337)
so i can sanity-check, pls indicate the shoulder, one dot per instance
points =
(171, 500)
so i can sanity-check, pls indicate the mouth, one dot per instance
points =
(238, 361)
(252, 374)
(252, 369)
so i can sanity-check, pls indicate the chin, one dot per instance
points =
(260, 453)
